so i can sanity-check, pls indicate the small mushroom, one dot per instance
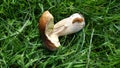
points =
(51, 32)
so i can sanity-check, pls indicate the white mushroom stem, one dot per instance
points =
(69, 25)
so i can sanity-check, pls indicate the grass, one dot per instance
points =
(96, 46)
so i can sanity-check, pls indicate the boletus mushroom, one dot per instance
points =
(51, 32)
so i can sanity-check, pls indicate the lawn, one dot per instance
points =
(97, 45)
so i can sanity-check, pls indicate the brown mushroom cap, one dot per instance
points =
(45, 28)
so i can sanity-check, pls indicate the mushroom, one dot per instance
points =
(51, 32)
